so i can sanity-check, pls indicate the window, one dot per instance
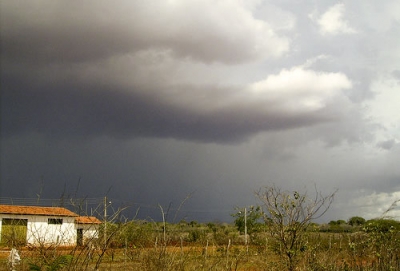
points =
(14, 222)
(55, 221)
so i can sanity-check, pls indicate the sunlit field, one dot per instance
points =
(140, 245)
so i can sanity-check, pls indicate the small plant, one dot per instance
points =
(384, 242)
(56, 264)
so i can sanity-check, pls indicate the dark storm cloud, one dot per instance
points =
(128, 71)
(48, 46)
(60, 32)
(161, 98)
(89, 111)
(387, 145)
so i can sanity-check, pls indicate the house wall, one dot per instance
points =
(39, 231)
(90, 232)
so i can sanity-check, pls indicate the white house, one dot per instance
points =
(36, 225)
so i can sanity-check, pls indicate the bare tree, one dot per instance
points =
(288, 215)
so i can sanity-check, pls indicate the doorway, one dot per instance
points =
(79, 237)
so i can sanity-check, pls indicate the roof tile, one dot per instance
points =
(35, 210)
(87, 220)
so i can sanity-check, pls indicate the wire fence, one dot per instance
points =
(94, 206)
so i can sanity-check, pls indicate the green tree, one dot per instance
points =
(356, 221)
(288, 215)
(252, 219)
(381, 226)
(337, 222)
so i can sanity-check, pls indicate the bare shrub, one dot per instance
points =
(288, 214)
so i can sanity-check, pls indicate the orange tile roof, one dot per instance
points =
(87, 220)
(35, 210)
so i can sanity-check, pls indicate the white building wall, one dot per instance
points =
(39, 231)
(90, 231)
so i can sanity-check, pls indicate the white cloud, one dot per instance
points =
(301, 89)
(379, 16)
(310, 62)
(333, 23)
(376, 204)
(384, 111)
(291, 91)
(280, 19)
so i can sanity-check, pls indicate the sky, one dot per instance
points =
(201, 102)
